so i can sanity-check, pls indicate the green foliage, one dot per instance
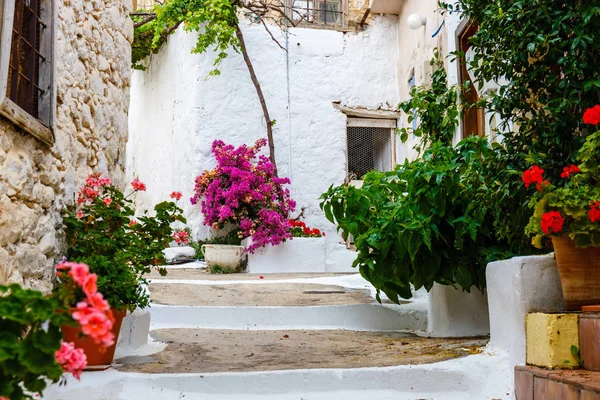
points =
(220, 270)
(29, 336)
(545, 55)
(420, 224)
(573, 201)
(214, 20)
(119, 251)
(434, 107)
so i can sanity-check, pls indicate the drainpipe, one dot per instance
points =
(289, 108)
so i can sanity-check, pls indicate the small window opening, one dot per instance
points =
(369, 148)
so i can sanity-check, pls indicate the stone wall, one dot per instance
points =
(92, 75)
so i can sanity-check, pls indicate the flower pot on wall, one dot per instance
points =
(579, 270)
(95, 357)
(223, 254)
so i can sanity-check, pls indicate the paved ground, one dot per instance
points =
(203, 274)
(206, 350)
(273, 294)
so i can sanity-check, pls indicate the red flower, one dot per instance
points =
(592, 115)
(107, 201)
(533, 175)
(541, 185)
(594, 213)
(137, 185)
(570, 170)
(316, 231)
(176, 195)
(552, 222)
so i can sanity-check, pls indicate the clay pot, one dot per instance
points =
(95, 357)
(579, 270)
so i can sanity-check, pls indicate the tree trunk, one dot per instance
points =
(261, 97)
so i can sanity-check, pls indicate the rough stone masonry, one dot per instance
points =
(92, 76)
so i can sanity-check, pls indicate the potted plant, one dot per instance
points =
(305, 251)
(103, 233)
(243, 196)
(32, 351)
(568, 212)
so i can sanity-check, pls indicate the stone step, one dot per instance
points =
(210, 350)
(183, 273)
(475, 377)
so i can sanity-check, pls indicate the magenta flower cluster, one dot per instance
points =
(243, 191)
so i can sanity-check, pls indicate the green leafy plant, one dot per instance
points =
(221, 270)
(103, 233)
(419, 224)
(29, 338)
(434, 106)
(568, 209)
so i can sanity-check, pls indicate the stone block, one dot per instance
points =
(296, 255)
(134, 331)
(516, 287)
(454, 312)
(549, 340)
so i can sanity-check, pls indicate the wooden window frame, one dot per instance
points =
(472, 120)
(8, 108)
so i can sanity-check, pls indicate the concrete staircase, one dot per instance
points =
(290, 336)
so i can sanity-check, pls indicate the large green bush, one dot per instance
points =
(420, 224)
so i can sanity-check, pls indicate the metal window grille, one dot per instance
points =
(327, 12)
(25, 57)
(368, 149)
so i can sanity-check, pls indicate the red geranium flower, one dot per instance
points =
(137, 185)
(176, 195)
(570, 170)
(552, 222)
(533, 175)
(592, 115)
(594, 213)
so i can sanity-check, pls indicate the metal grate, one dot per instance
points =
(25, 56)
(368, 149)
(328, 12)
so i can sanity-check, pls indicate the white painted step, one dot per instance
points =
(365, 317)
(477, 377)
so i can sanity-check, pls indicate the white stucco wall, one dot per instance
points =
(177, 110)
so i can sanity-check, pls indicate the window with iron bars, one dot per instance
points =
(323, 12)
(369, 148)
(26, 70)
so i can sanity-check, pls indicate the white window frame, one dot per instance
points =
(8, 108)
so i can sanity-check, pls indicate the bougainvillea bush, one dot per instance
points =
(104, 233)
(31, 348)
(243, 193)
(569, 207)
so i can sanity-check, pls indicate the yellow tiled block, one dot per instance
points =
(549, 340)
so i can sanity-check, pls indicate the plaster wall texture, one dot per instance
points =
(515, 288)
(455, 313)
(177, 111)
(92, 77)
(297, 255)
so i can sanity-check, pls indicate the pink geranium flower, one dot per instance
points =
(176, 195)
(71, 359)
(137, 185)
(107, 201)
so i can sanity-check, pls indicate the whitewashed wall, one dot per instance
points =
(177, 110)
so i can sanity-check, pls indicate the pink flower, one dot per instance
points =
(137, 185)
(95, 324)
(132, 222)
(176, 195)
(79, 216)
(96, 301)
(107, 201)
(89, 286)
(181, 237)
(79, 273)
(71, 359)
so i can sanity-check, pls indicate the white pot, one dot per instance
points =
(224, 255)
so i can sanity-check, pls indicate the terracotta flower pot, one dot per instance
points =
(579, 270)
(95, 357)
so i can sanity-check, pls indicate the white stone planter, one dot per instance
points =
(222, 254)
(296, 255)
(455, 313)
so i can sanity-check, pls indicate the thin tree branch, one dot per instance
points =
(271, 34)
(261, 97)
(143, 22)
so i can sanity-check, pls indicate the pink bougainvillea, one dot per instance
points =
(243, 191)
